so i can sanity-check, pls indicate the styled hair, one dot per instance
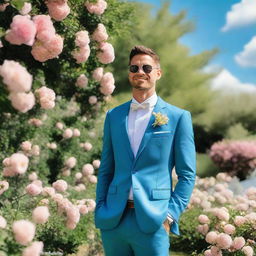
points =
(141, 49)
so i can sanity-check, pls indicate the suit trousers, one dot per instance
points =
(126, 239)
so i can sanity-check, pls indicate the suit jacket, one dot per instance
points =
(149, 173)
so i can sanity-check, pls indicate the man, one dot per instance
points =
(143, 140)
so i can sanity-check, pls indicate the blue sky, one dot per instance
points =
(230, 26)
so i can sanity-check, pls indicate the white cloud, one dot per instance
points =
(228, 83)
(241, 14)
(247, 58)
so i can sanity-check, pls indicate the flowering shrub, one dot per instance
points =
(219, 222)
(54, 82)
(236, 157)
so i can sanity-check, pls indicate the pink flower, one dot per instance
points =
(215, 251)
(32, 176)
(224, 241)
(78, 175)
(96, 8)
(59, 125)
(207, 253)
(82, 81)
(58, 11)
(203, 229)
(82, 54)
(87, 146)
(17, 163)
(96, 163)
(35, 151)
(83, 209)
(97, 74)
(106, 53)
(222, 215)
(92, 100)
(82, 38)
(35, 249)
(70, 162)
(91, 204)
(229, 229)
(26, 145)
(45, 30)
(24, 231)
(3, 222)
(100, 34)
(238, 243)
(239, 220)
(46, 97)
(107, 83)
(23, 31)
(76, 133)
(33, 189)
(248, 251)
(26, 8)
(15, 76)
(40, 214)
(87, 169)
(211, 237)
(48, 191)
(44, 51)
(4, 185)
(203, 219)
(60, 185)
(92, 179)
(68, 133)
(36, 122)
(22, 101)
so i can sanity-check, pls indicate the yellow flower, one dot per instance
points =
(160, 119)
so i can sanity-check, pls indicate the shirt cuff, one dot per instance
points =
(170, 219)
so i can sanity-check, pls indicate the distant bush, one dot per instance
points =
(236, 157)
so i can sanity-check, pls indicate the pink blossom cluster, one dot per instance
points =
(48, 45)
(22, 31)
(236, 157)
(46, 97)
(35, 188)
(107, 84)
(69, 133)
(18, 82)
(35, 249)
(88, 173)
(4, 185)
(100, 33)
(14, 165)
(40, 214)
(27, 7)
(87, 146)
(58, 9)
(106, 53)
(60, 185)
(222, 230)
(35, 122)
(19, 227)
(97, 8)
(82, 81)
(29, 149)
(82, 42)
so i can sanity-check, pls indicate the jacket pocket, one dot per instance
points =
(161, 193)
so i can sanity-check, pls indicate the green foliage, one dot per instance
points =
(189, 240)
(205, 166)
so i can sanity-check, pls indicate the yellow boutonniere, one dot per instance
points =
(160, 119)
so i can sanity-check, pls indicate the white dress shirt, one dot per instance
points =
(137, 124)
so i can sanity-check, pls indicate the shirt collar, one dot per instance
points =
(151, 100)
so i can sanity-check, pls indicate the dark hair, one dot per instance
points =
(141, 49)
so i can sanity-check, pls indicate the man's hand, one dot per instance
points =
(166, 226)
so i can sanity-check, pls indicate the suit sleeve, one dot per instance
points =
(107, 164)
(185, 166)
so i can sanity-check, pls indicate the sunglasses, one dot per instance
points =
(146, 68)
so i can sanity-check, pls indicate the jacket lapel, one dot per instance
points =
(149, 130)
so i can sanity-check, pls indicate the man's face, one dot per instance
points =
(141, 80)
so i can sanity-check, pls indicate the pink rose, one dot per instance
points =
(35, 249)
(70, 162)
(97, 74)
(60, 185)
(40, 214)
(224, 241)
(22, 101)
(96, 8)
(238, 243)
(211, 237)
(24, 231)
(82, 38)
(82, 81)
(82, 54)
(33, 189)
(88, 169)
(23, 31)
(68, 133)
(4, 185)
(17, 163)
(45, 30)
(92, 100)
(58, 11)
(100, 34)
(27, 7)
(106, 53)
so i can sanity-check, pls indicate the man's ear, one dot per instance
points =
(159, 73)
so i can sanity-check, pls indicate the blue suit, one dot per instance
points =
(149, 173)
